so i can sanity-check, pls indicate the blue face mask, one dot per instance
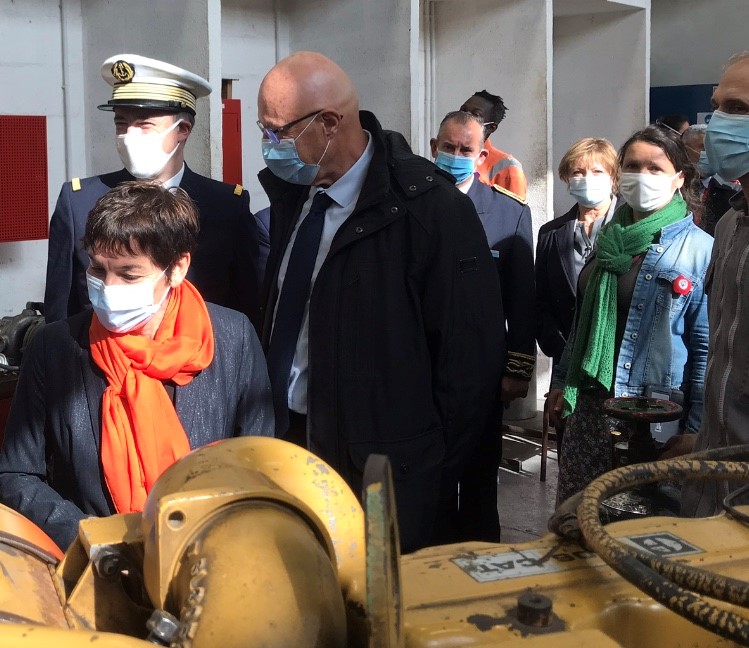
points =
(460, 167)
(283, 160)
(705, 166)
(727, 144)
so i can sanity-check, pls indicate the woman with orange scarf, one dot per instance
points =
(106, 401)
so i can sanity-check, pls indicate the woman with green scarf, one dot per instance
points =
(641, 321)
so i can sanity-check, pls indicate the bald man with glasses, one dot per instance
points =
(382, 301)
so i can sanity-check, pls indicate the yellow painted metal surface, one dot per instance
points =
(252, 468)
(27, 592)
(258, 542)
(258, 578)
(466, 595)
(31, 636)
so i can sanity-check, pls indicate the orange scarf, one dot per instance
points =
(141, 434)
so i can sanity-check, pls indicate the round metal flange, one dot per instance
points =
(642, 409)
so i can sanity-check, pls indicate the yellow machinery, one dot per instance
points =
(256, 542)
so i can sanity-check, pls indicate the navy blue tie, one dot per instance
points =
(291, 303)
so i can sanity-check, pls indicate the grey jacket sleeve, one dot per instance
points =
(254, 416)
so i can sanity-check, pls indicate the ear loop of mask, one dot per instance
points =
(302, 133)
(664, 125)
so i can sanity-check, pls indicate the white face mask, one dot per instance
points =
(143, 153)
(645, 192)
(122, 307)
(591, 190)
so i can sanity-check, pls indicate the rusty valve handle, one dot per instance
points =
(642, 411)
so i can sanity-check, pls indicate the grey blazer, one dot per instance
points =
(50, 468)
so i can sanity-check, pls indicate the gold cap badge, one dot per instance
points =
(123, 71)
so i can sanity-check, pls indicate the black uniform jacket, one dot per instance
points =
(556, 283)
(404, 318)
(223, 266)
(50, 468)
(508, 227)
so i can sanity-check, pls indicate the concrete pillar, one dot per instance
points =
(601, 77)
(186, 34)
(370, 40)
(252, 36)
(505, 47)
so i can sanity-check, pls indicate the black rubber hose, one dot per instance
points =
(563, 521)
(643, 570)
(723, 588)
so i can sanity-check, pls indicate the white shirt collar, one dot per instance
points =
(469, 183)
(348, 187)
(175, 180)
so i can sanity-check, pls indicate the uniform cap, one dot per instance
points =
(147, 83)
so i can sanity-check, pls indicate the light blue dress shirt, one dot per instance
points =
(345, 194)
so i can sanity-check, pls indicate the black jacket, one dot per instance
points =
(556, 283)
(508, 227)
(223, 266)
(404, 346)
(50, 465)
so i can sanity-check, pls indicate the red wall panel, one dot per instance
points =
(232, 140)
(24, 209)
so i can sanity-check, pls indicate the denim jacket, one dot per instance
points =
(666, 335)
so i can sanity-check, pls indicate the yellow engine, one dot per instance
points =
(256, 542)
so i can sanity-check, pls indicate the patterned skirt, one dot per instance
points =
(588, 448)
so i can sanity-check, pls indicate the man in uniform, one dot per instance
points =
(497, 167)
(154, 107)
(383, 303)
(459, 150)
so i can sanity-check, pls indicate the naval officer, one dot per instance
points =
(459, 149)
(154, 105)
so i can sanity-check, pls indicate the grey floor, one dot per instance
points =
(523, 500)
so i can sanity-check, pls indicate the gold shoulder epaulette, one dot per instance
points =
(520, 364)
(509, 193)
(238, 189)
(75, 183)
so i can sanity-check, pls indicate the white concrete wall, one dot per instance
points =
(598, 92)
(249, 49)
(257, 33)
(370, 40)
(692, 39)
(503, 46)
(31, 75)
(171, 30)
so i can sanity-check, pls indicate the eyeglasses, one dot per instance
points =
(272, 133)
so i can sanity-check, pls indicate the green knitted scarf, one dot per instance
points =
(592, 360)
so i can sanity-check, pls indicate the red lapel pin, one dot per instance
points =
(682, 285)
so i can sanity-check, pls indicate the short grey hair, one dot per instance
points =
(737, 58)
(693, 132)
(462, 117)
